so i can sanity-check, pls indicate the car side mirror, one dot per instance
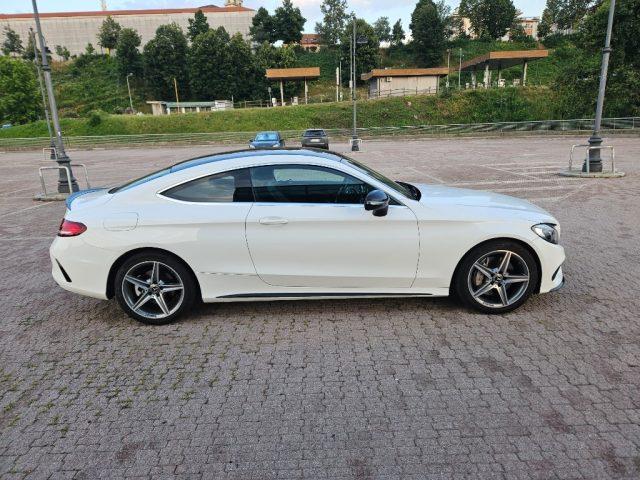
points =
(377, 202)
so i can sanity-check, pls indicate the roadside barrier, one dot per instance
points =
(552, 127)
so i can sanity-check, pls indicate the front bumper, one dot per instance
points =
(551, 258)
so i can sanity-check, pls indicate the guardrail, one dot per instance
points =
(553, 127)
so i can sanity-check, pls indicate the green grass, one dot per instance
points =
(494, 105)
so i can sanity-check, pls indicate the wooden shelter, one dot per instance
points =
(500, 60)
(293, 74)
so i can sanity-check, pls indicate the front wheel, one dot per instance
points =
(154, 288)
(496, 277)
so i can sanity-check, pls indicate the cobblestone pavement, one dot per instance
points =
(360, 389)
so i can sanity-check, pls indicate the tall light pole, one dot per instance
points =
(129, 89)
(448, 66)
(355, 142)
(460, 70)
(32, 37)
(594, 158)
(61, 156)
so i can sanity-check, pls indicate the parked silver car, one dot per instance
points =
(316, 138)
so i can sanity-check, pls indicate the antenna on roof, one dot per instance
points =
(103, 5)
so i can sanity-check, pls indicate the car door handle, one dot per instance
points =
(273, 221)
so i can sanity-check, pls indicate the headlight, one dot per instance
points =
(551, 233)
(252, 146)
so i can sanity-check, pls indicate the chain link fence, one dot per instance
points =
(552, 127)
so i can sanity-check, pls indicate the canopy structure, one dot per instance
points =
(405, 72)
(293, 75)
(500, 60)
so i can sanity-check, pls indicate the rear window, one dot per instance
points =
(141, 180)
(314, 133)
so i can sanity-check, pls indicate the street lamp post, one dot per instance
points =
(593, 157)
(61, 156)
(32, 37)
(129, 90)
(355, 142)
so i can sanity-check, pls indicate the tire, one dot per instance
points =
(161, 294)
(483, 283)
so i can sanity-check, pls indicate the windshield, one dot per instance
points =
(407, 192)
(314, 133)
(266, 136)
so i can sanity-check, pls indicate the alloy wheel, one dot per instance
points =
(152, 290)
(498, 279)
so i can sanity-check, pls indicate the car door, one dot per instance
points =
(308, 228)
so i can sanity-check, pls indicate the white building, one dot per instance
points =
(75, 30)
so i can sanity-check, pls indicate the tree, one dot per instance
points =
(517, 34)
(367, 54)
(578, 79)
(382, 29)
(208, 62)
(165, 58)
(63, 52)
(28, 52)
(262, 27)
(19, 94)
(197, 25)
(89, 50)
(428, 29)
(108, 34)
(12, 44)
(563, 15)
(267, 56)
(241, 73)
(490, 19)
(127, 54)
(289, 23)
(397, 34)
(334, 17)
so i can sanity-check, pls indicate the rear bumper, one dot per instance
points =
(86, 267)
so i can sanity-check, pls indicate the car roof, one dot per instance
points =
(248, 153)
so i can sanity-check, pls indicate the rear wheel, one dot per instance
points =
(496, 277)
(154, 288)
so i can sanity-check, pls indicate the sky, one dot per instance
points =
(367, 9)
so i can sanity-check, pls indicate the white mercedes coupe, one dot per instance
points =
(299, 224)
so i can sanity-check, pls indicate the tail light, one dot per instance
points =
(71, 229)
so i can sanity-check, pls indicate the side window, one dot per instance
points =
(226, 187)
(306, 184)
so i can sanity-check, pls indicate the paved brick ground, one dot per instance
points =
(334, 389)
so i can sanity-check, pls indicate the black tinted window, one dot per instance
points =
(306, 184)
(314, 133)
(233, 186)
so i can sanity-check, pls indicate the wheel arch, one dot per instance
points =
(520, 242)
(123, 258)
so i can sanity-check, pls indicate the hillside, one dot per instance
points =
(509, 104)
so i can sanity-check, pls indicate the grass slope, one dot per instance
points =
(495, 105)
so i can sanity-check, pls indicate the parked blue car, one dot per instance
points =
(267, 140)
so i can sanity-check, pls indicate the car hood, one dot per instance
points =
(265, 143)
(440, 195)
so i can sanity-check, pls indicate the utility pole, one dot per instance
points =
(61, 156)
(175, 86)
(593, 157)
(129, 89)
(32, 36)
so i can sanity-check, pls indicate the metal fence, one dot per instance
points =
(552, 127)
